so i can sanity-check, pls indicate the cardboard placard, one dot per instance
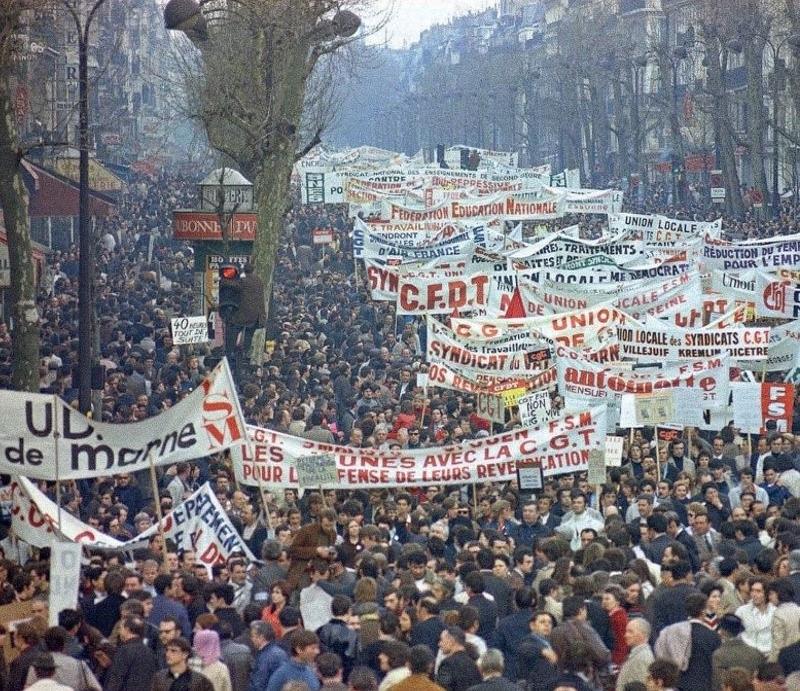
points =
(189, 330)
(597, 467)
(316, 471)
(529, 476)
(614, 451)
(11, 616)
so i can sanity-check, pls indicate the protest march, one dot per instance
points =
(487, 413)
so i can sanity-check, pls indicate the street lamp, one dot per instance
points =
(778, 78)
(85, 235)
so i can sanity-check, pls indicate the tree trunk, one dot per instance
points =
(621, 124)
(757, 125)
(273, 181)
(727, 146)
(14, 203)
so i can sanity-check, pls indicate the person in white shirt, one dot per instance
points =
(757, 617)
(315, 603)
(45, 668)
(580, 518)
(746, 484)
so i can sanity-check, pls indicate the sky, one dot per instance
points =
(410, 17)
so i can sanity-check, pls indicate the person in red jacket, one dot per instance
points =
(613, 599)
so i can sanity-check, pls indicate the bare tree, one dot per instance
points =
(251, 91)
(14, 204)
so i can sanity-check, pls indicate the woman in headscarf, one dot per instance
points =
(206, 647)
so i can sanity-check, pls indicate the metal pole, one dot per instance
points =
(776, 195)
(675, 131)
(85, 267)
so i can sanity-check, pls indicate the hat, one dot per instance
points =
(44, 662)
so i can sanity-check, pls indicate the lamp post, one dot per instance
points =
(85, 234)
(778, 77)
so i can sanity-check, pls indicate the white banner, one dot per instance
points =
(40, 428)
(656, 341)
(511, 206)
(512, 356)
(65, 578)
(585, 383)
(562, 446)
(776, 297)
(198, 523)
(772, 253)
(661, 229)
(442, 375)
(35, 520)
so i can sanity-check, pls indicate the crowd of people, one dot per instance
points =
(685, 580)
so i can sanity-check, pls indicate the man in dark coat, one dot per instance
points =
(105, 613)
(667, 606)
(487, 609)
(429, 626)
(513, 628)
(250, 310)
(457, 671)
(491, 666)
(26, 640)
(704, 642)
(498, 588)
(134, 664)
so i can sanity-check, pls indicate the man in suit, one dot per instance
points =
(677, 533)
(429, 626)
(513, 628)
(134, 664)
(667, 605)
(105, 613)
(794, 573)
(546, 517)
(487, 609)
(733, 651)
(637, 633)
(491, 665)
(659, 540)
(704, 641)
(705, 537)
(498, 588)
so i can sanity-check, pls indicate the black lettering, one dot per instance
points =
(47, 430)
(91, 454)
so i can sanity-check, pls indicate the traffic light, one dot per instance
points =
(228, 302)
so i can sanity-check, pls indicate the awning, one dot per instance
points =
(52, 194)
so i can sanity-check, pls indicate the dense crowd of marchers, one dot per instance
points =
(475, 586)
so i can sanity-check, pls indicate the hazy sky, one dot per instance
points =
(411, 17)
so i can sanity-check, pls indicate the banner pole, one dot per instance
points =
(658, 455)
(56, 437)
(157, 500)
(475, 499)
